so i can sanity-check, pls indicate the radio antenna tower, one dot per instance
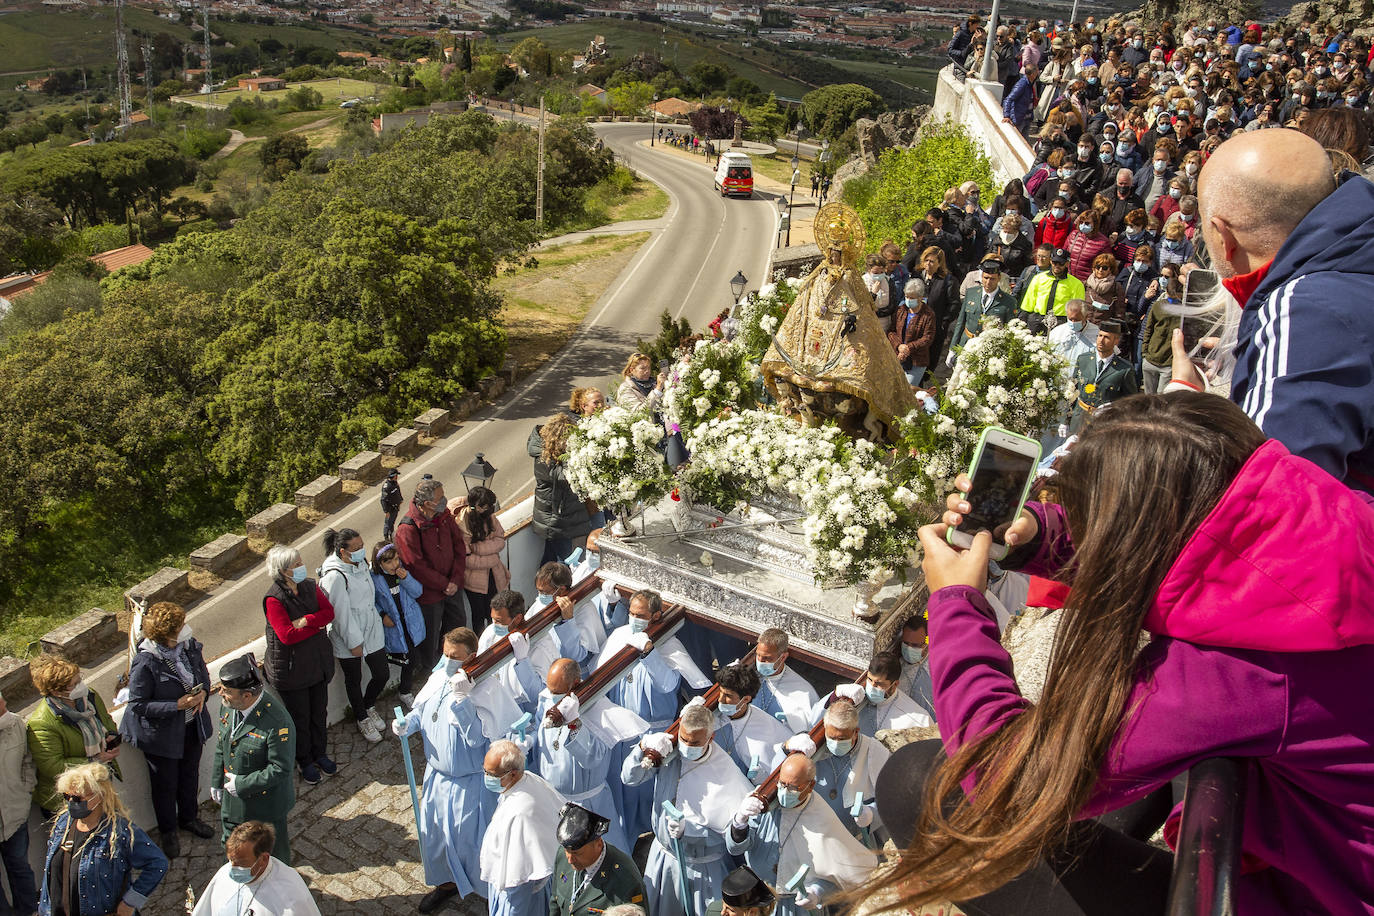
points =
(209, 77)
(148, 78)
(122, 52)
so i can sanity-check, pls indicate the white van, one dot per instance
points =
(735, 175)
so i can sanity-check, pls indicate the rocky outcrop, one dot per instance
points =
(1354, 17)
(892, 129)
(1180, 11)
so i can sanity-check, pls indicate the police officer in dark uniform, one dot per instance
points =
(1102, 376)
(591, 876)
(743, 893)
(391, 502)
(255, 754)
(986, 300)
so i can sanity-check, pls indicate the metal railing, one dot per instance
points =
(1207, 859)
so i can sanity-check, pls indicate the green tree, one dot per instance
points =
(710, 76)
(831, 110)
(283, 154)
(534, 56)
(631, 98)
(303, 98)
(767, 122)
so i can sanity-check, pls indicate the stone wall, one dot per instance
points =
(978, 106)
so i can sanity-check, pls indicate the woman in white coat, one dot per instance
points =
(356, 633)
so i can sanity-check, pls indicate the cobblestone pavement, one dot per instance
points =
(353, 838)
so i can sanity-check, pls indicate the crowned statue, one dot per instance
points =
(830, 359)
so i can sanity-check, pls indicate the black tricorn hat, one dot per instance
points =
(577, 826)
(744, 888)
(240, 673)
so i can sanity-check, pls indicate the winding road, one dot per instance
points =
(685, 267)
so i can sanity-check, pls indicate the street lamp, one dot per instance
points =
(653, 120)
(796, 174)
(478, 474)
(738, 283)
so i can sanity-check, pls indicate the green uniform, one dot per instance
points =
(1116, 380)
(616, 882)
(971, 314)
(261, 753)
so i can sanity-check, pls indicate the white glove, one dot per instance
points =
(526, 744)
(640, 641)
(951, 359)
(216, 795)
(660, 743)
(752, 806)
(865, 817)
(807, 899)
(229, 784)
(800, 744)
(401, 727)
(519, 646)
(569, 708)
(696, 701)
(460, 685)
(610, 592)
(851, 692)
(677, 826)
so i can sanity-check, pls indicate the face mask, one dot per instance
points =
(1011, 213)
(358, 555)
(1323, 95)
(79, 692)
(639, 624)
(78, 808)
(1156, 110)
(1159, 166)
(1076, 325)
(1092, 81)
(1057, 212)
(728, 710)
(1295, 96)
(1321, 71)
(1084, 152)
(1173, 245)
(1192, 93)
(1085, 228)
(493, 783)
(1269, 66)
(1105, 157)
(544, 600)
(1190, 169)
(1134, 232)
(1064, 173)
(1164, 127)
(1007, 237)
(241, 874)
(911, 654)
(1123, 149)
(1352, 100)
(185, 633)
(1137, 44)
(500, 630)
(788, 797)
(838, 747)
(692, 752)
(1187, 217)
(1141, 266)
(1175, 193)
(298, 574)
(875, 696)
(451, 666)
(766, 669)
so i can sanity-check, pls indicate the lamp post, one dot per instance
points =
(479, 473)
(988, 73)
(653, 120)
(738, 283)
(796, 174)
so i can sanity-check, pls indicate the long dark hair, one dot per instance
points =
(334, 541)
(481, 502)
(1137, 485)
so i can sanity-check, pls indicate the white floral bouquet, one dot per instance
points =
(858, 519)
(718, 377)
(613, 458)
(1006, 376)
(761, 316)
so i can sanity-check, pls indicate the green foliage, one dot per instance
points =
(95, 239)
(830, 110)
(766, 122)
(671, 335)
(282, 155)
(303, 98)
(908, 182)
(202, 142)
(631, 98)
(102, 182)
(47, 303)
(534, 56)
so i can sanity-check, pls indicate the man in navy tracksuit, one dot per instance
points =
(1305, 350)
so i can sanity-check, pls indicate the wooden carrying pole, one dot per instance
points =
(485, 663)
(712, 695)
(767, 792)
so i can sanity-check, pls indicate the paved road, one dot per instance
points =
(685, 268)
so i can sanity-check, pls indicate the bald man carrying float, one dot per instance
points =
(1297, 251)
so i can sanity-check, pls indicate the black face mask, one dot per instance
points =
(78, 808)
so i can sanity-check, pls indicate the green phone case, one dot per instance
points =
(977, 456)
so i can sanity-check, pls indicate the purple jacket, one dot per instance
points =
(1263, 647)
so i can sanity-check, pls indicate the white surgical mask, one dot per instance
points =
(1085, 228)
(1175, 193)
(1190, 169)
(1057, 212)
(1007, 237)
(639, 624)
(1160, 166)
(692, 751)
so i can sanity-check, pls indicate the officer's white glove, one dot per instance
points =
(569, 708)
(660, 743)
(800, 744)
(519, 646)
(851, 692)
(402, 727)
(865, 817)
(676, 827)
(951, 359)
(752, 806)
(216, 795)
(640, 641)
(610, 592)
(460, 685)
(696, 701)
(230, 784)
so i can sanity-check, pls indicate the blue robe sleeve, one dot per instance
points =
(585, 748)
(663, 677)
(631, 773)
(568, 638)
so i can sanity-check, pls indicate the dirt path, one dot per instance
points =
(236, 139)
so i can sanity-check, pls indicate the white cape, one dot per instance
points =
(869, 758)
(522, 838)
(670, 650)
(612, 723)
(586, 618)
(813, 835)
(496, 708)
(901, 711)
(710, 790)
(279, 892)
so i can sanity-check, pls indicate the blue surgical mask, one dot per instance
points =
(875, 695)
(766, 669)
(500, 630)
(1085, 228)
(451, 665)
(298, 574)
(911, 654)
(1092, 81)
(1105, 157)
(241, 874)
(493, 783)
(1164, 127)
(729, 710)
(639, 624)
(692, 751)
(1076, 325)
(358, 555)
(789, 797)
(838, 747)
(1123, 149)
(1057, 212)
(543, 600)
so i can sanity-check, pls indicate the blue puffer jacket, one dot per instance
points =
(105, 877)
(409, 621)
(1305, 354)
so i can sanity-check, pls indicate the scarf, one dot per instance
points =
(175, 662)
(645, 387)
(85, 720)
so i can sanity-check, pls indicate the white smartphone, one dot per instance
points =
(1003, 468)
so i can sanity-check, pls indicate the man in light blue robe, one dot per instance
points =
(753, 738)
(847, 768)
(783, 693)
(701, 782)
(454, 807)
(521, 844)
(915, 680)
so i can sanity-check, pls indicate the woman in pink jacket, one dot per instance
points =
(1086, 242)
(1247, 570)
(486, 574)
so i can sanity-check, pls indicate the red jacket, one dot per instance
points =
(1083, 250)
(1051, 231)
(433, 550)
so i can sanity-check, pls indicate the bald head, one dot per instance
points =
(563, 676)
(1253, 192)
(798, 770)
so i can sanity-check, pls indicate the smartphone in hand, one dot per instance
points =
(1003, 468)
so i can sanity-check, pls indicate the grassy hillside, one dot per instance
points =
(31, 41)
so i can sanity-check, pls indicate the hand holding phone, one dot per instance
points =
(1003, 468)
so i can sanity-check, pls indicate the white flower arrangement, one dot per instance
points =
(613, 458)
(718, 377)
(761, 316)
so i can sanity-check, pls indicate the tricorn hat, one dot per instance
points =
(577, 826)
(240, 673)
(744, 888)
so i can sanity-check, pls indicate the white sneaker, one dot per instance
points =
(407, 699)
(376, 719)
(369, 731)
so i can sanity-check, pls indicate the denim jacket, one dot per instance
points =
(104, 879)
